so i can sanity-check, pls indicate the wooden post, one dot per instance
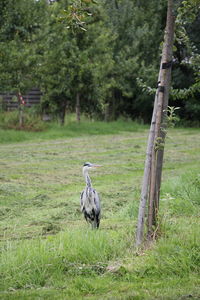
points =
(21, 116)
(159, 138)
(21, 104)
(145, 185)
(151, 180)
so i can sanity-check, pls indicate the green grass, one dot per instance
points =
(47, 249)
(71, 129)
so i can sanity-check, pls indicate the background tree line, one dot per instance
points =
(100, 58)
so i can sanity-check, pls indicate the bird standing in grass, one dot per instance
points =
(90, 201)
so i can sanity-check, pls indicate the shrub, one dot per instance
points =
(32, 120)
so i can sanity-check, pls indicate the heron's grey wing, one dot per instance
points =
(97, 201)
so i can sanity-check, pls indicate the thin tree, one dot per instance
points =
(154, 155)
(78, 108)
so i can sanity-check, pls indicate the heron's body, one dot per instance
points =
(90, 201)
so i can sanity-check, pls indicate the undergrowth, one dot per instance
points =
(31, 121)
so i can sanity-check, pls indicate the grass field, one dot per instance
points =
(47, 249)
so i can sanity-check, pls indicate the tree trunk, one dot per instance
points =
(63, 113)
(107, 112)
(146, 179)
(154, 159)
(152, 188)
(78, 110)
(21, 116)
(159, 138)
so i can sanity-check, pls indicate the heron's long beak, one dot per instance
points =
(96, 166)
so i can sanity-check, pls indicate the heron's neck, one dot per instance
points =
(87, 178)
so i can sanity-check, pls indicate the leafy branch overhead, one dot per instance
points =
(77, 14)
(186, 56)
(175, 94)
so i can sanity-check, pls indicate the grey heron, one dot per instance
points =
(90, 201)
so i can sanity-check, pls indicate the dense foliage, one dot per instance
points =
(91, 56)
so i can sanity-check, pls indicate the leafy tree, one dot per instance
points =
(20, 21)
(137, 26)
(74, 62)
(185, 77)
(186, 71)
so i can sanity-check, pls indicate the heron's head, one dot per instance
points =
(88, 166)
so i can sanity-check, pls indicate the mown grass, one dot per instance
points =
(47, 249)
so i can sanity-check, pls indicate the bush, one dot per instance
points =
(31, 120)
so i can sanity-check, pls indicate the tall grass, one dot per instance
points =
(182, 194)
(47, 261)
(177, 254)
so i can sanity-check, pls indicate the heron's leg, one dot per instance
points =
(98, 223)
(97, 220)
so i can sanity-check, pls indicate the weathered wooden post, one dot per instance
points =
(21, 104)
(154, 155)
